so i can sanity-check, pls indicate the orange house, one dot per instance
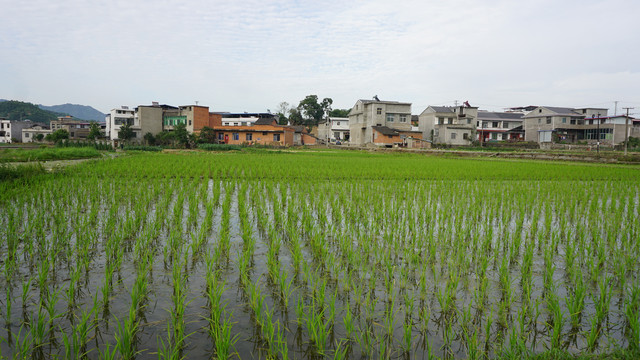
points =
(384, 136)
(257, 134)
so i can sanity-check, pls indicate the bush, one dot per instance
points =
(82, 144)
(142, 148)
(219, 147)
(9, 172)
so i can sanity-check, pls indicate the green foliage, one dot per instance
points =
(207, 135)
(634, 142)
(219, 147)
(58, 135)
(312, 110)
(10, 172)
(142, 148)
(339, 112)
(83, 144)
(126, 133)
(149, 139)
(22, 155)
(95, 132)
(18, 110)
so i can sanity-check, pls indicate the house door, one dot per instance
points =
(226, 138)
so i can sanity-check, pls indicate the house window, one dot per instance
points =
(249, 137)
(539, 121)
(564, 120)
(236, 136)
(494, 124)
(440, 121)
(494, 136)
(220, 136)
(337, 123)
(189, 122)
(453, 136)
(450, 121)
(505, 125)
(548, 119)
(26, 134)
(403, 118)
(390, 117)
(465, 136)
(276, 137)
(379, 111)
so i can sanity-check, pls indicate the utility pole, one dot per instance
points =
(626, 130)
(598, 142)
(615, 109)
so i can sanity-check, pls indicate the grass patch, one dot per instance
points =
(219, 147)
(142, 148)
(27, 155)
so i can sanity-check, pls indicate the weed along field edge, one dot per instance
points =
(324, 254)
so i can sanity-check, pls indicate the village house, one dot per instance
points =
(77, 129)
(549, 123)
(31, 133)
(263, 132)
(449, 125)
(11, 130)
(333, 129)
(499, 126)
(366, 114)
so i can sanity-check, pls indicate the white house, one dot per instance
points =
(334, 129)
(118, 117)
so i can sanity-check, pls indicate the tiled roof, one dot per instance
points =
(385, 130)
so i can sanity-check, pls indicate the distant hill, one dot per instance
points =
(83, 112)
(18, 110)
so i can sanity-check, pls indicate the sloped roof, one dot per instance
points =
(561, 110)
(264, 121)
(487, 115)
(385, 130)
(383, 102)
(442, 109)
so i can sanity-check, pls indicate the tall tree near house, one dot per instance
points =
(126, 133)
(60, 134)
(283, 109)
(312, 110)
(326, 106)
(339, 112)
(182, 135)
(207, 135)
(150, 139)
(94, 132)
(295, 117)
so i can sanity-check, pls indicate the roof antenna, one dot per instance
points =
(375, 97)
(197, 102)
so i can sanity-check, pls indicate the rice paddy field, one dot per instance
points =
(313, 255)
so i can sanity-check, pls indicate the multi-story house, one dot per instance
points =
(449, 125)
(366, 114)
(11, 130)
(77, 129)
(549, 123)
(121, 116)
(243, 119)
(334, 129)
(499, 126)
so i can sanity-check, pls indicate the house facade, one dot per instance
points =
(117, 118)
(77, 129)
(334, 129)
(31, 133)
(549, 123)
(449, 125)
(499, 126)
(388, 137)
(366, 114)
(11, 130)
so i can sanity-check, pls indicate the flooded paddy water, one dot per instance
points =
(200, 267)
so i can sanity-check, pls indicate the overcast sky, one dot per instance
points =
(250, 55)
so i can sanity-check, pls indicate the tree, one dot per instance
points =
(311, 110)
(126, 133)
(181, 134)
(295, 117)
(94, 132)
(339, 112)
(283, 109)
(58, 135)
(207, 135)
(39, 137)
(150, 139)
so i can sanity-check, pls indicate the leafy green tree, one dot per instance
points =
(295, 117)
(39, 137)
(182, 135)
(339, 112)
(149, 139)
(311, 110)
(207, 135)
(58, 135)
(95, 132)
(126, 133)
